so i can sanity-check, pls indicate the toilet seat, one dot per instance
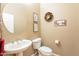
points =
(45, 50)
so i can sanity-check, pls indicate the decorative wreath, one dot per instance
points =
(48, 16)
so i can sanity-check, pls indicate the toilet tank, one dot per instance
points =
(36, 43)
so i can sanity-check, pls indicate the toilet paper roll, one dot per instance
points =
(57, 42)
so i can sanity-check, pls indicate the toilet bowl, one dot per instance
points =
(45, 51)
(42, 50)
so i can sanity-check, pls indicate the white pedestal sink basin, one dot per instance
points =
(17, 47)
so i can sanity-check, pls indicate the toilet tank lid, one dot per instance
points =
(45, 49)
(36, 40)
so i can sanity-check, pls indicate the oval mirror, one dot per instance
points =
(14, 17)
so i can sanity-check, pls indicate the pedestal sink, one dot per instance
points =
(17, 47)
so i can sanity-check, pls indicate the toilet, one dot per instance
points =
(42, 50)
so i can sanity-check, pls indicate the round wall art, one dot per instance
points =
(49, 16)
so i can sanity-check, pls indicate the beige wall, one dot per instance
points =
(23, 22)
(0, 7)
(68, 35)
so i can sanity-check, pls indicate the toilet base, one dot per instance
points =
(40, 54)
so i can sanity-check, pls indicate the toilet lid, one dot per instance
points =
(45, 49)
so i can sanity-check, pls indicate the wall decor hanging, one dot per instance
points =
(60, 22)
(49, 16)
(35, 22)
